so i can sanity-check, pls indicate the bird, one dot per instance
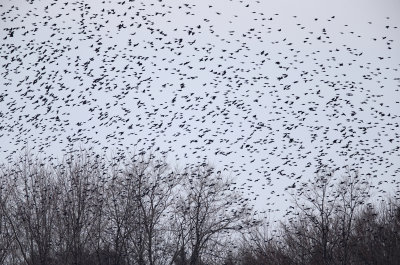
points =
(260, 99)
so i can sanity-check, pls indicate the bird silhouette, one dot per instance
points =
(260, 99)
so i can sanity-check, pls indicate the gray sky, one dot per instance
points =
(264, 90)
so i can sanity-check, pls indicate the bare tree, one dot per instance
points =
(261, 245)
(119, 212)
(206, 211)
(366, 250)
(353, 192)
(7, 248)
(326, 211)
(387, 235)
(315, 226)
(140, 196)
(78, 180)
(32, 214)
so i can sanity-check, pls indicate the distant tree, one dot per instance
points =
(353, 193)
(326, 211)
(366, 249)
(261, 246)
(206, 211)
(310, 236)
(31, 214)
(7, 248)
(387, 233)
(79, 182)
(140, 197)
(391, 221)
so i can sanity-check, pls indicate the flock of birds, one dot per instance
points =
(266, 97)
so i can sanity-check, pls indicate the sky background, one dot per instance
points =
(266, 91)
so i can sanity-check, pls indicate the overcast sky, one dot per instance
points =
(266, 91)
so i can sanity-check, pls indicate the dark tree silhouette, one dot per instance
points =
(87, 210)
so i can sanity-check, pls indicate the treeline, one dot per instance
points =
(331, 222)
(87, 210)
